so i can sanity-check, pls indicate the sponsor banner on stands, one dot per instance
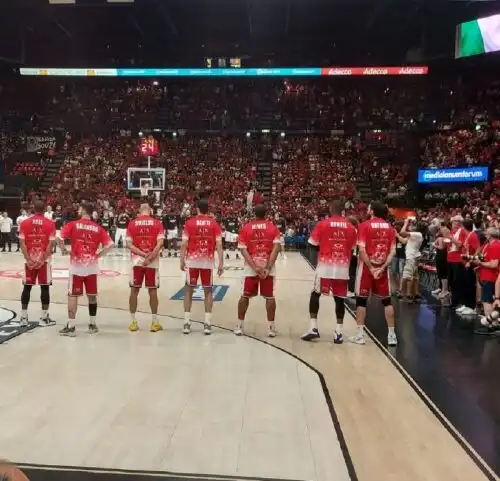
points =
(37, 143)
(360, 71)
(439, 176)
(226, 72)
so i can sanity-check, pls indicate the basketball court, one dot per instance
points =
(146, 405)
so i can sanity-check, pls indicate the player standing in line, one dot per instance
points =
(121, 228)
(282, 228)
(200, 239)
(37, 236)
(335, 237)
(106, 221)
(171, 223)
(59, 222)
(259, 242)
(231, 236)
(145, 236)
(377, 247)
(85, 237)
(22, 217)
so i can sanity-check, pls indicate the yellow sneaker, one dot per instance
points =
(155, 327)
(133, 326)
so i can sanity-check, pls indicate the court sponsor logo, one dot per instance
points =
(198, 294)
(233, 268)
(58, 274)
(10, 327)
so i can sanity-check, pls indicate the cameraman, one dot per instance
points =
(488, 270)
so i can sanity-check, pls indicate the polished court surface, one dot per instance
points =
(220, 407)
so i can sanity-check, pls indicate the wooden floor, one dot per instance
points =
(219, 405)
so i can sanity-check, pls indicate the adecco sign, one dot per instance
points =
(58, 274)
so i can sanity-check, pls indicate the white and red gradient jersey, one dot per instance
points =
(378, 238)
(85, 237)
(259, 238)
(336, 239)
(201, 234)
(144, 232)
(37, 232)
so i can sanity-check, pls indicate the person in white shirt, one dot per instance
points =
(410, 281)
(49, 213)
(22, 217)
(6, 231)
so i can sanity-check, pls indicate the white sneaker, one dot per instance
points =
(271, 332)
(238, 331)
(23, 322)
(358, 339)
(459, 309)
(467, 312)
(392, 340)
(435, 292)
(186, 328)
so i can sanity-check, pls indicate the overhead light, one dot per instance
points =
(62, 2)
(248, 135)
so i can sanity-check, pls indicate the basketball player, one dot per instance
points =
(59, 222)
(335, 237)
(106, 221)
(37, 235)
(377, 247)
(85, 237)
(259, 242)
(121, 228)
(145, 236)
(200, 239)
(171, 223)
(231, 236)
(282, 228)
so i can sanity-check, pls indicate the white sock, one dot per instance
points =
(24, 313)
(132, 317)
(154, 318)
(70, 323)
(92, 320)
(271, 325)
(314, 323)
(361, 330)
(187, 318)
(45, 314)
(239, 324)
(391, 330)
(208, 318)
(339, 329)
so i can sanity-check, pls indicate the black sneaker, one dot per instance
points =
(47, 321)
(68, 331)
(169, 254)
(92, 329)
(338, 338)
(238, 257)
(311, 335)
(227, 256)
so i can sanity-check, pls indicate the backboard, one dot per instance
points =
(138, 177)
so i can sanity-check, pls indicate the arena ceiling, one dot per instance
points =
(182, 32)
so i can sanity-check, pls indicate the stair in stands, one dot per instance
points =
(265, 172)
(365, 190)
(52, 169)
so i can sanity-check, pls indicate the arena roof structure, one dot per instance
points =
(181, 32)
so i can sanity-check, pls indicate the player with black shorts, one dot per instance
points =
(171, 223)
(106, 222)
(231, 226)
(59, 220)
(121, 228)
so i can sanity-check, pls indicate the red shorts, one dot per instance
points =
(77, 283)
(366, 284)
(205, 276)
(41, 276)
(254, 285)
(337, 287)
(149, 276)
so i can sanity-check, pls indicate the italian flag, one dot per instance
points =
(479, 36)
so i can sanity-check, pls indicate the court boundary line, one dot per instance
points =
(441, 417)
(131, 472)
(351, 470)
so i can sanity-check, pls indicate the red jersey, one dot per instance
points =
(378, 238)
(471, 244)
(454, 252)
(37, 231)
(259, 238)
(201, 234)
(336, 238)
(490, 251)
(85, 236)
(144, 232)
